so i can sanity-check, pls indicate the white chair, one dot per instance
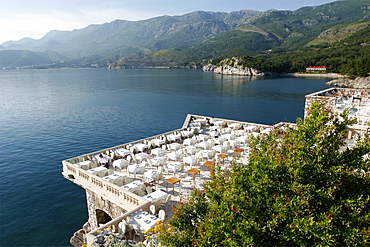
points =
(121, 230)
(152, 209)
(157, 177)
(149, 189)
(162, 215)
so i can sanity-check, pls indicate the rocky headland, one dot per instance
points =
(359, 82)
(233, 66)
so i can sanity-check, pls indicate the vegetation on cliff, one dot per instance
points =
(297, 190)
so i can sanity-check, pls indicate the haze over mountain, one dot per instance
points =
(203, 34)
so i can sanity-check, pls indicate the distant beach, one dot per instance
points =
(331, 75)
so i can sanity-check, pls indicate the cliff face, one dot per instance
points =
(359, 82)
(233, 66)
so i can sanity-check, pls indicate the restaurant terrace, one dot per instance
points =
(132, 186)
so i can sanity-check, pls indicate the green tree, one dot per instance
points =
(298, 189)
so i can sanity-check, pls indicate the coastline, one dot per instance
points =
(328, 75)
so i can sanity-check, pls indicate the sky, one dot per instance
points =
(35, 18)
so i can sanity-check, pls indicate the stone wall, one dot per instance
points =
(97, 206)
(97, 202)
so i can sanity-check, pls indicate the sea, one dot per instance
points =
(47, 116)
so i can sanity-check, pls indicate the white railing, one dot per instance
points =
(114, 193)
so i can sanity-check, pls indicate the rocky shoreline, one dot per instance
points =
(359, 82)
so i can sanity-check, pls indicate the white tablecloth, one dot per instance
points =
(122, 152)
(102, 160)
(114, 178)
(171, 166)
(157, 151)
(158, 161)
(158, 142)
(120, 163)
(98, 171)
(173, 155)
(203, 137)
(229, 136)
(174, 146)
(191, 150)
(144, 220)
(140, 146)
(234, 125)
(84, 164)
(135, 168)
(189, 142)
(133, 185)
(203, 144)
(150, 175)
(186, 133)
(191, 160)
(141, 156)
(156, 195)
(173, 137)
(209, 154)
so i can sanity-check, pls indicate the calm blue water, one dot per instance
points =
(50, 115)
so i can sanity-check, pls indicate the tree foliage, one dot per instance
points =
(298, 189)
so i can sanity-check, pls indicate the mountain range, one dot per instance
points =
(185, 39)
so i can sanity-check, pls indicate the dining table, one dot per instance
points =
(157, 142)
(122, 152)
(134, 185)
(209, 154)
(173, 155)
(190, 160)
(102, 158)
(135, 168)
(174, 146)
(156, 195)
(144, 220)
(141, 156)
(174, 165)
(115, 178)
(189, 142)
(157, 151)
(84, 164)
(191, 150)
(173, 137)
(140, 146)
(150, 175)
(203, 145)
(157, 161)
(99, 171)
(120, 163)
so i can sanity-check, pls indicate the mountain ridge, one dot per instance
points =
(193, 37)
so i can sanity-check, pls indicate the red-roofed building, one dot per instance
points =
(316, 69)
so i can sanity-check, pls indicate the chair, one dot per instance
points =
(152, 209)
(165, 167)
(157, 177)
(121, 230)
(119, 181)
(149, 189)
(127, 180)
(139, 192)
(138, 232)
(165, 201)
(162, 215)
